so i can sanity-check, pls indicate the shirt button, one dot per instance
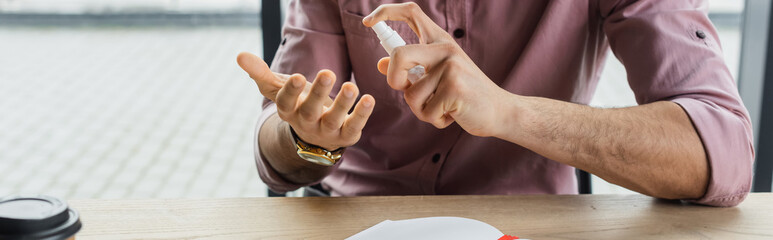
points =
(700, 34)
(436, 158)
(459, 33)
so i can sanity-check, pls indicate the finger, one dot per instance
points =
(437, 112)
(334, 117)
(383, 65)
(356, 121)
(406, 57)
(419, 93)
(311, 108)
(287, 97)
(410, 13)
(268, 82)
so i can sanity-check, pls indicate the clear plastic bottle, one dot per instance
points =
(390, 40)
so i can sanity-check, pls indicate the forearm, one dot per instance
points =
(653, 148)
(276, 145)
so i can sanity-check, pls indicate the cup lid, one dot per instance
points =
(38, 217)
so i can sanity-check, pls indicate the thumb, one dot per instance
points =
(268, 82)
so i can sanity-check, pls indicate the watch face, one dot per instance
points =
(316, 159)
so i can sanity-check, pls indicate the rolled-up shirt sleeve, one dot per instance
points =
(671, 52)
(312, 40)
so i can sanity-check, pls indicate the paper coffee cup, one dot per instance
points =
(37, 217)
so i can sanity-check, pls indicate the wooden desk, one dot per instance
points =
(536, 217)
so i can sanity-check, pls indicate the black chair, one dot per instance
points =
(763, 164)
(583, 182)
(271, 23)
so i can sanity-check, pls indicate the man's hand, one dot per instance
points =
(453, 88)
(315, 117)
(653, 148)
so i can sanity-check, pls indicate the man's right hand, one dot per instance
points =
(315, 117)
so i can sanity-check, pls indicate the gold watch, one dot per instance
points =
(314, 153)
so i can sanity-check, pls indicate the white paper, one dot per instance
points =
(445, 228)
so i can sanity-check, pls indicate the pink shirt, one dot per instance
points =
(554, 49)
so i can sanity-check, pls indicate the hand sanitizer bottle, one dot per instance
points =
(390, 40)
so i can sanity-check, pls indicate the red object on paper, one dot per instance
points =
(508, 237)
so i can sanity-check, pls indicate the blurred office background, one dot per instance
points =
(143, 98)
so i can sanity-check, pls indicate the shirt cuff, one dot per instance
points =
(727, 139)
(273, 180)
